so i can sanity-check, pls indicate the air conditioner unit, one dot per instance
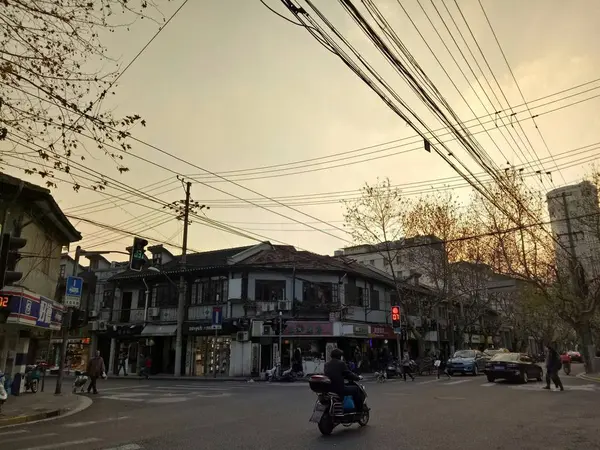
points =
(154, 312)
(93, 313)
(101, 325)
(242, 336)
(284, 305)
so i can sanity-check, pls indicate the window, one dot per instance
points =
(107, 298)
(411, 257)
(209, 291)
(157, 259)
(164, 295)
(399, 259)
(319, 293)
(269, 290)
(372, 262)
(63, 270)
(374, 301)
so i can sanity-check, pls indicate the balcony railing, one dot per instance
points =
(204, 312)
(127, 315)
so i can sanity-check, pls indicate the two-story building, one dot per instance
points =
(267, 296)
(30, 212)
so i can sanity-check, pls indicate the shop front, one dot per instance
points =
(32, 317)
(122, 345)
(313, 339)
(208, 350)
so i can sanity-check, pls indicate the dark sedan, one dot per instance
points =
(513, 367)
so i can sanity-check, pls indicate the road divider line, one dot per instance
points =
(31, 436)
(457, 382)
(7, 433)
(94, 422)
(488, 384)
(61, 445)
(126, 447)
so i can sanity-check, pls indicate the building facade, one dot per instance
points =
(29, 211)
(273, 300)
(575, 222)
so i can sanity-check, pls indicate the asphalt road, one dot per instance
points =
(464, 412)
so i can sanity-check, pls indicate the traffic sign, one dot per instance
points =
(73, 292)
(217, 318)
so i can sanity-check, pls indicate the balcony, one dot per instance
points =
(204, 312)
(127, 315)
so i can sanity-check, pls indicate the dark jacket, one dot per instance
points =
(553, 363)
(337, 371)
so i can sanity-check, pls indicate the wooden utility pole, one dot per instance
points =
(181, 300)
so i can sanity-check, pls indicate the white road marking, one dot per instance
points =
(122, 398)
(31, 436)
(6, 433)
(64, 444)
(126, 387)
(430, 381)
(169, 400)
(125, 447)
(222, 394)
(489, 384)
(583, 387)
(457, 382)
(182, 389)
(93, 422)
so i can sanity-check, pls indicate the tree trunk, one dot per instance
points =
(584, 335)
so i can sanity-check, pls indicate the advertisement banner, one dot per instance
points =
(28, 308)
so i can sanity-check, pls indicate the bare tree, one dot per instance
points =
(55, 74)
(520, 243)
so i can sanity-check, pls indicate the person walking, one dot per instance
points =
(553, 365)
(440, 363)
(123, 357)
(95, 369)
(406, 369)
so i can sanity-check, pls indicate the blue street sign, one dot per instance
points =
(73, 292)
(217, 317)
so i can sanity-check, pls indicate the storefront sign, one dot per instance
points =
(28, 308)
(382, 332)
(206, 327)
(360, 330)
(298, 328)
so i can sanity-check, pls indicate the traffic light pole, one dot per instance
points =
(181, 300)
(65, 332)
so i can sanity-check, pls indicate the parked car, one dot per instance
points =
(466, 361)
(513, 367)
(575, 356)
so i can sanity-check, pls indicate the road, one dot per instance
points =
(464, 412)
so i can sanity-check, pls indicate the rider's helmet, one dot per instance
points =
(336, 353)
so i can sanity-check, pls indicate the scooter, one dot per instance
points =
(32, 378)
(330, 410)
(3, 393)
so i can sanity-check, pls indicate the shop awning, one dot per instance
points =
(159, 330)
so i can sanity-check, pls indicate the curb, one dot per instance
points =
(587, 377)
(53, 414)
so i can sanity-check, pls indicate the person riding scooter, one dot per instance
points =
(566, 362)
(337, 371)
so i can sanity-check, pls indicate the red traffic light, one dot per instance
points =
(395, 314)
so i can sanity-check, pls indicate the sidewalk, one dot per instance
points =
(43, 405)
(590, 377)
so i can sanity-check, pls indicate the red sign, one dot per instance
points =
(4, 301)
(382, 332)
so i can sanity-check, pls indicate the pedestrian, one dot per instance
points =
(95, 369)
(122, 363)
(553, 365)
(440, 363)
(406, 369)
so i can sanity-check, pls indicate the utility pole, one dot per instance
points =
(181, 300)
(65, 332)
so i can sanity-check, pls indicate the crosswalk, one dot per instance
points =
(16, 439)
(168, 394)
(569, 384)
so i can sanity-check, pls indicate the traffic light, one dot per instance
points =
(78, 319)
(8, 259)
(137, 258)
(396, 317)
(4, 308)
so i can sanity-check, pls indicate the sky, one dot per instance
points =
(229, 86)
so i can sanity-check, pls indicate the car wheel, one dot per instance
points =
(524, 377)
(490, 379)
(475, 371)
